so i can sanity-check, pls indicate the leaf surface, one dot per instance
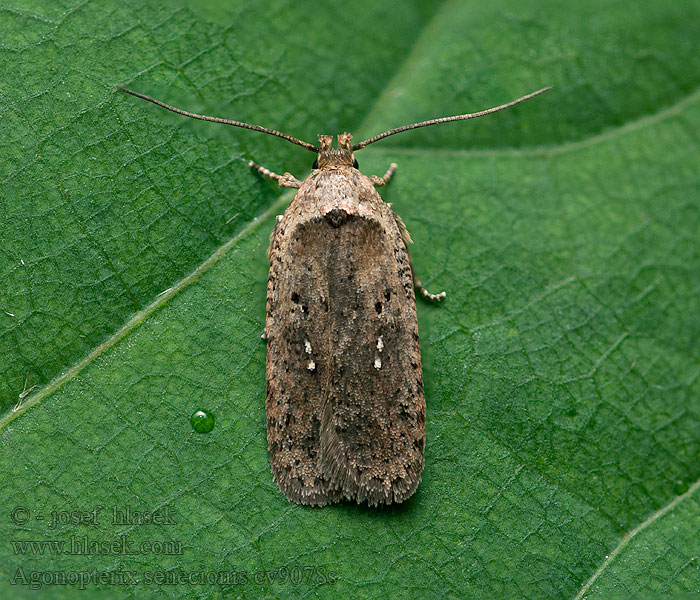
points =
(561, 372)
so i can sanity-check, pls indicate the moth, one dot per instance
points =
(345, 405)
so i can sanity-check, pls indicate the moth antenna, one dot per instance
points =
(179, 111)
(481, 113)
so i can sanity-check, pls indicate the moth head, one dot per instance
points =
(329, 158)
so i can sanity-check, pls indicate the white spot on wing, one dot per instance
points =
(377, 363)
(312, 365)
(307, 346)
(380, 343)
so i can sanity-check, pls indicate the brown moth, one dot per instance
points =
(345, 404)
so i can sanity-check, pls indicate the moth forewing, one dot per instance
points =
(345, 404)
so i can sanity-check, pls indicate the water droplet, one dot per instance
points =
(202, 421)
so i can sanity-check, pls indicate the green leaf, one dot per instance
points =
(562, 373)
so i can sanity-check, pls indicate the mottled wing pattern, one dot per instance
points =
(296, 372)
(345, 404)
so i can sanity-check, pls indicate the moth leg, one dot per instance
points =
(286, 180)
(407, 240)
(384, 179)
(419, 286)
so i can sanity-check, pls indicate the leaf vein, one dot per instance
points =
(627, 538)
